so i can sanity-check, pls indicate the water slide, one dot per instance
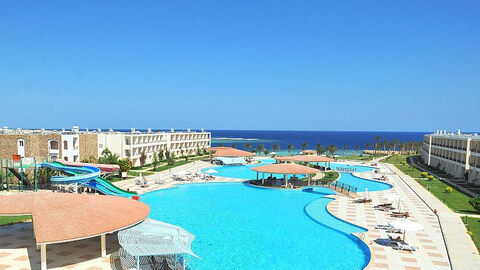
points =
(87, 176)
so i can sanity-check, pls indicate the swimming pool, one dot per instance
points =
(238, 226)
(360, 183)
(245, 172)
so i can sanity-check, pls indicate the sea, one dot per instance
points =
(352, 139)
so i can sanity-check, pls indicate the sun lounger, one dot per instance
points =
(398, 214)
(405, 247)
(363, 200)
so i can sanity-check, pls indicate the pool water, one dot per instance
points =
(238, 226)
(245, 172)
(360, 183)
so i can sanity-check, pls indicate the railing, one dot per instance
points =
(343, 187)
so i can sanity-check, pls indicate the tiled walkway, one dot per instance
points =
(18, 251)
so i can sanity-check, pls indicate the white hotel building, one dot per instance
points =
(132, 144)
(75, 145)
(456, 153)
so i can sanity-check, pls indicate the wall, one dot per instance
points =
(36, 145)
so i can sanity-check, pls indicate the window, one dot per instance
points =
(65, 145)
(53, 144)
(20, 143)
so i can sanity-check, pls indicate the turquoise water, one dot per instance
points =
(238, 226)
(244, 171)
(360, 183)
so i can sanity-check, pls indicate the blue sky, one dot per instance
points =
(307, 65)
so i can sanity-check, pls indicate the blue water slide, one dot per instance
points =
(86, 176)
(76, 174)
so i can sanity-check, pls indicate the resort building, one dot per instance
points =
(75, 145)
(457, 154)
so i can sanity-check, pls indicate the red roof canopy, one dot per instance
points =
(230, 152)
(285, 169)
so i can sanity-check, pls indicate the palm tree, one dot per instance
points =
(320, 149)
(275, 147)
(394, 144)
(385, 144)
(356, 148)
(344, 147)
(331, 149)
(304, 145)
(289, 147)
(260, 148)
(377, 138)
(367, 146)
(247, 146)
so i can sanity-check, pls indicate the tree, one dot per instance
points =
(344, 147)
(167, 154)
(260, 148)
(320, 149)
(275, 147)
(143, 158)
(289, 148)
(108, 157)
(234, 145)
(385, 144)
(356, 148)
(247, 146)
(155, 161)
(265, 151)
(367, 146)
(161, 155)
(394, 144)
(375, 145)
(125, 164)
(199, 151)
(331, 149)
(171, 159)
(304, 145)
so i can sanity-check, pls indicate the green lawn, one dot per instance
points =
(177, 163)
(474, 227)
(329, 177)
(4, 220)
(456, 200)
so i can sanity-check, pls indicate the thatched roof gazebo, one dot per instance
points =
(285, 169)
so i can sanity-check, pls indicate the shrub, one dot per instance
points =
(448, 189)
(125, 165)
(430, 177)
(475, 203)
(424, 174)
(470, 233)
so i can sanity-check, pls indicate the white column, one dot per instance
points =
(467, 155)
(429, 149)
(103, 245)
(43, 256)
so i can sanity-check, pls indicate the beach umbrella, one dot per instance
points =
(406, 225)
(210, 171)
(392, 197)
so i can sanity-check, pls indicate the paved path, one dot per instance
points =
(463, 253)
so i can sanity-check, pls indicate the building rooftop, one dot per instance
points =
(76, 130)
(457, 135)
